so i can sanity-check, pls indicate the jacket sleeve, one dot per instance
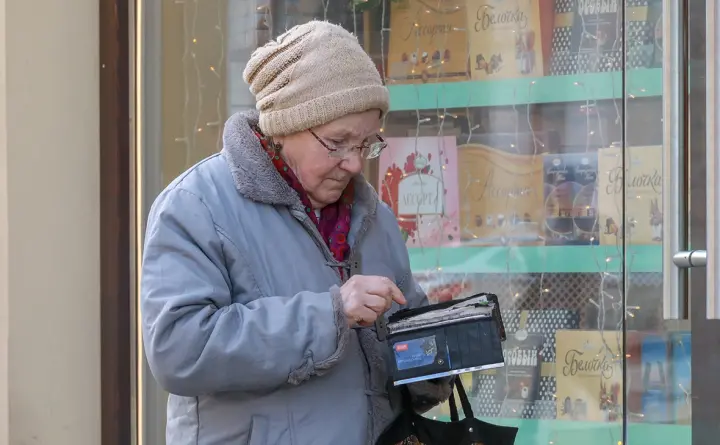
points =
(197, 340)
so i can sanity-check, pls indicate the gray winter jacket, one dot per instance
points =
(242, 318)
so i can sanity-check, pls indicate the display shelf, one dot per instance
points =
(529, 259)
(566, 432)
(572, 88)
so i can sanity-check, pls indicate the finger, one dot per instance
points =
(364, 316)
(397, 295)
(385, 287)
(377, 303)
(386, 303)
(378, 286)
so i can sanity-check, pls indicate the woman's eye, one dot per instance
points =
(336, 142)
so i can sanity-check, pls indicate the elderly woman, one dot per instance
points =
(251, 319)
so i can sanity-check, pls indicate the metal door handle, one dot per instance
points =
(690, 258)
(673, 175)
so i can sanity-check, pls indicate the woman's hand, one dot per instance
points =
(365, 297)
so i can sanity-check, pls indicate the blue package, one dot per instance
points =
(656, 381)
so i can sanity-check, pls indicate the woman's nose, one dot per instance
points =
(352, 163)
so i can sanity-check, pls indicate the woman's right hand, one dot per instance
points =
(365, 297)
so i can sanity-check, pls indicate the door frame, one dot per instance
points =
(705, 333)
(116, 223)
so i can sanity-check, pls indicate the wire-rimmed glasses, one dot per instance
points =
(369, 149)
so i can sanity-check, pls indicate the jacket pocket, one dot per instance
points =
(258, 431)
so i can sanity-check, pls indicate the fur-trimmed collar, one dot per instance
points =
(255, 176)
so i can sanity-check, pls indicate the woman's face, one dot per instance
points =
(324, 177)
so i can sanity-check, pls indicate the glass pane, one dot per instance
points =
(657, 350)
(528, 145)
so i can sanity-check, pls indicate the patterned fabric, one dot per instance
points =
(334, 221)
(563, 62)
(485, 403)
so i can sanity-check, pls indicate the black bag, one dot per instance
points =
(411, 428)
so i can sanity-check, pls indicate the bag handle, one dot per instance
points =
(467, 408)
(453, 408)
(454, 417)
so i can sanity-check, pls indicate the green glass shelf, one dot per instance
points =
(565, 432)
(572, 88)
(527, 259)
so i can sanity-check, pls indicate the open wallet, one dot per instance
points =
(445, 339)
(411, 428)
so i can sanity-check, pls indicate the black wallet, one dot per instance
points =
(446, 339)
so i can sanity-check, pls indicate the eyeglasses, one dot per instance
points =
(369, 149)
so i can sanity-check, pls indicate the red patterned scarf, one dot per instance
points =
(334, 222)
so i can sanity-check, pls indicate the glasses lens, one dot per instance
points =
(337, 153)
(374, 150)
(375, 147)
(369, 150)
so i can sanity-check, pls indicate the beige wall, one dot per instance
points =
(4, 234)
(49, 223)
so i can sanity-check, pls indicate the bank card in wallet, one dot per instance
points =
(446, 339)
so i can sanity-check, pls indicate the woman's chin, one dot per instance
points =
(328, 197)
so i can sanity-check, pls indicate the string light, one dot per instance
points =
(610, 262)
(194, 67)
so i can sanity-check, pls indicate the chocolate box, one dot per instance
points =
(571, 199)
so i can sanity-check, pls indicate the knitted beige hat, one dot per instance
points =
(312, 75)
